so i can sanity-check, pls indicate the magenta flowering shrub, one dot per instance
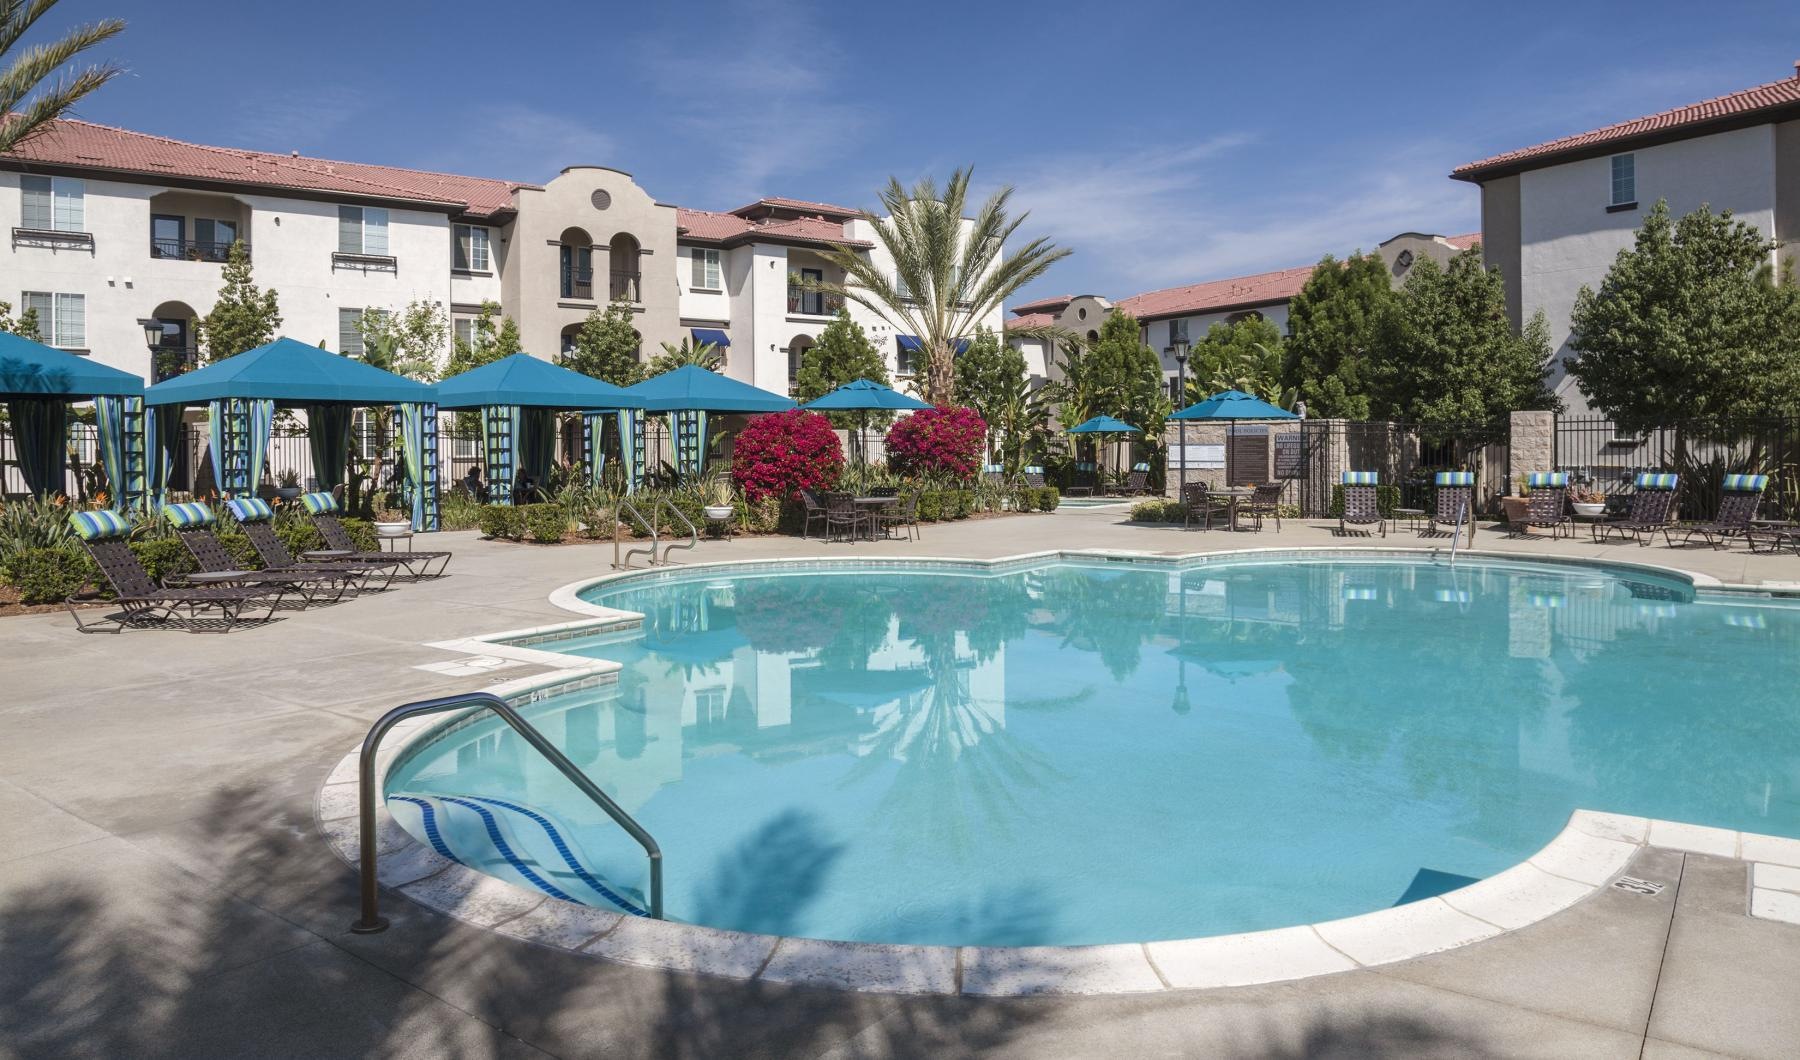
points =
(782, 453)
(943, 441)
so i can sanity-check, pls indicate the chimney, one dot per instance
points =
(1797, 69)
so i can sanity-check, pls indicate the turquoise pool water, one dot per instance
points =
(1106, 752)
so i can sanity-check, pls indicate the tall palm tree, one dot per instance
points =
(26, 73)
(705, 355)
(946, 280)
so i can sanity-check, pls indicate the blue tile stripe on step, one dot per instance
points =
(506, 851)
(429, 813)
(568, 856)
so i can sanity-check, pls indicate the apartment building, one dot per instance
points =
(119, 238)
(1556, 214)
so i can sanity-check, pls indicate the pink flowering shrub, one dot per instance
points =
(779, 454)
(944, 441)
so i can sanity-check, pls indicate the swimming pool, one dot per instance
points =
(1087, 752)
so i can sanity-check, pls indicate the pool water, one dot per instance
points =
(1106, 752)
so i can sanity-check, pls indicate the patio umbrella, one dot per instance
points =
(861, 395)
(1103, 425)
(1231, 406)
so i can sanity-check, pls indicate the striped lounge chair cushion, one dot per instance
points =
(1456, 478)
(1747, 483)
(193, 513)
(250, 510)
(319, 503)
(1650, 481)
(1084, 466)
(1035, 469)
(991, 469)
(1140, 467)
(100, 524)
(1547, 479)
(1362, 478)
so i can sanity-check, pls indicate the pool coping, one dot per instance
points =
(1587, 856)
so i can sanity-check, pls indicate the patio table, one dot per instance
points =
(1233, 494)
(873, 505)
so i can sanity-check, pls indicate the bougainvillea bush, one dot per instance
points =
(782, 453)
(943, 441)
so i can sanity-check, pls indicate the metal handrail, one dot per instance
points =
(626, 507)
(693, 540)
(371, 920)
(1462, 510)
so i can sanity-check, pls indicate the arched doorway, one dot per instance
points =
(796, 353)
(175, 353)
(566, 345)
(576, 260)
(622, 268)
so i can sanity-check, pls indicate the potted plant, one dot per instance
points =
(1516, 506)
(715, 497)
(287, 484)
(1587, 501)
(390, 519)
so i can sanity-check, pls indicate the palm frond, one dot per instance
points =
(26, 74)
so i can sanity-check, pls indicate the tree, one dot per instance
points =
(1690, 324)
(1247, 355)
(25, 326)
(842, 355)
(26, 74)
(409, 342)
(1450, 356)
(705, 355)
(606, 347)
(244, 316)
(782, 453)
(1019, 431)
(1118, 375)
(985, 372)
(486, 344)
(945, 279)
(1334, 322)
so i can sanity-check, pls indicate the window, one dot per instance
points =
(166, 232)
(213, 237)
(464, 329)
(900, 287)
(52, 204)
(62, 318)
(903, 362)
(577, 269)
(363, 230)
(707, 274)
(1624, 180)
(1178, 332)
(471, 253)
(812, 302)
(350, 336)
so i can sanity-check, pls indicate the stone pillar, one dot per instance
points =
(1533, 443)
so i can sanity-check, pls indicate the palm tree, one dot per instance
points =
(946, 280)
(704, 355)
(25, 74)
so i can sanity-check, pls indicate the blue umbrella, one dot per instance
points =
(1231, 406)
(861, 395)
(1104, 425)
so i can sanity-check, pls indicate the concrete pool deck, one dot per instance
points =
(179, 899)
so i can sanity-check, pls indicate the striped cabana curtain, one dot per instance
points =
(418, 449)
(41, 441)
(120, 435)
(162, 433)
(631, 447)
(593, 447)
(499, 440)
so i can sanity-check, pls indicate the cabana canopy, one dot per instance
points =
(1233, 405)
(862, 395)
(691, 388)
(528, 381)
(33, 370)
(289, 372)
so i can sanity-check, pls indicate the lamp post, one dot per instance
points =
(1180, 347)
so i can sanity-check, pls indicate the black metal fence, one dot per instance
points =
(1601, 457)
(1407, 456)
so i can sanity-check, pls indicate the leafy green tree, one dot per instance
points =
(945, 279)
(1690, 324)
(1246, 355)
(1449, 354)
(488, 342)
(1118, 375)
(705, 355)
(26, 73)
(985, 372)
(26, 326)
(842, 355)
(409, 342)
(244, 316)
(1019, 430)
(1335, 323)
(607, 345)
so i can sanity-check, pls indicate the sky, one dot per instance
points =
(1163, 143)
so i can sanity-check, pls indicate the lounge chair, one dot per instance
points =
(193, 523)
(1652, 505)
(1455, 501)
(1137, 483)
(1200, 502)
(323, 507)
(1264, 500)
(102, 533)
(1086, 480)
(1034, 477)
(1362, 503)
(1547, 504)
(812, 511)
(255, 518)
(1741, 497)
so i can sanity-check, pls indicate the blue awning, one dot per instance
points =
(909, 343)
(712, 335)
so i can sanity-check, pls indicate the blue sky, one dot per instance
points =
(1165, 143)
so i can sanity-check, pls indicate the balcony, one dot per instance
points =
(578, 284)
(192, 250)
(168, 361)
(625, 285)
(802, 302)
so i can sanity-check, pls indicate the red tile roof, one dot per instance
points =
(1776, 95)
(1464, 241)
(824, 209)
(1031, 320)
(1053, 302)
(1215, 295)
(102, 147)
(730, 229)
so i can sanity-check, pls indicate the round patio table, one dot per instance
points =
(1233, 494)
(873, 505)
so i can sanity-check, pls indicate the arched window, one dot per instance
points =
(622, 265)
(577, 265)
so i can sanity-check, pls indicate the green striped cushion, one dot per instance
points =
(100, 524)
(1140, 467)
(319, 503)
(1362, 478)
(1547, 479)
(992, 469)
(193, 513)
(1083, 465)
(250, 510)
(1651, 481)
(1456, 478)
(1747, 483)
(1035, 469)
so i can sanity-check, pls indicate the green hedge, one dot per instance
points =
(48, 575)
(502, 521)
(545, 523)
(1387, 498)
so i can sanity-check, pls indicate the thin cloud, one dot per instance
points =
(522, 142)
(294, 121)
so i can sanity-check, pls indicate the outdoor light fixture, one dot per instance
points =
(153, 332)
(1181, 356)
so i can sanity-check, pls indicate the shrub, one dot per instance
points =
(761, 516)
(458, 511)
(930, 505)
(501, 521)
(48, 575)
(1387, 498)
(33, 523)
(546, 523)
(945, 441)
(1156, 511)
(163, 557)
(362, 533)
(1048, 498)
(782, 453)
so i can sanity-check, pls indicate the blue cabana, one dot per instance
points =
(518, 396)
(242, 393)
(690, 394)
(38, 383)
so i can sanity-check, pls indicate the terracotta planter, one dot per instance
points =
(1516, 508)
